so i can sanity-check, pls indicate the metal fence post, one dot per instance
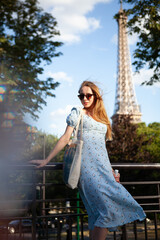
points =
(77, 215)
(34, 205)
(158, 195)
(124, 233)
(155, 223)
(145, 225)
(135, 230)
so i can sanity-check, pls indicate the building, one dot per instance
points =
(125, 100)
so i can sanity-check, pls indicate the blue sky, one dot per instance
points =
(89, 33)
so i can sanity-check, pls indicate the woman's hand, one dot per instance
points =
(39, 163)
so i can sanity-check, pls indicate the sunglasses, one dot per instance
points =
(88, 96)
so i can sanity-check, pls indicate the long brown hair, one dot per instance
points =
(98, 109)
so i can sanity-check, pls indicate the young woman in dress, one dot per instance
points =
(107, 202)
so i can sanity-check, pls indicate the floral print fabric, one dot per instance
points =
(107, 202)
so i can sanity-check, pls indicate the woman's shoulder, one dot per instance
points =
(76, 109)
(72, 118)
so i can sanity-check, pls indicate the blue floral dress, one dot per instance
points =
(107, 202)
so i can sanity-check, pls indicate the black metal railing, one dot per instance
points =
(52, 211)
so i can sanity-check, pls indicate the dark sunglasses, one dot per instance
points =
(88, 96)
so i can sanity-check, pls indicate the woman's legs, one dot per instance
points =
(98, 233)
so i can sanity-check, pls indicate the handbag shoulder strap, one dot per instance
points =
(81, 125)
(77, 127)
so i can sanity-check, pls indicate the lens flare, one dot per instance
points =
(8, 118)
(1, 98)
(14, 147)
(9, 115)
(2, 92)
(31, 132)
(14, 91)
(31, 129)
(2, 89)
(7, 124)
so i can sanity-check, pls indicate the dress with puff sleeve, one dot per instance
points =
(73, 117)
(107, 202)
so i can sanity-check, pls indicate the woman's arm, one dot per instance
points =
(62, 142)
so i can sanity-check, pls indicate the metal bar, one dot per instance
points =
(156, 229)
(158, 186)
(20, 228)
(44, 177)
(149, 204)
(136, 166)
(46, 226)
(82, 235)
(70, 228)
(34, 206)
(145, 226)
(147, 197)
(59, 166)
(141, 183)
(135, 230)
(44, 192)
(58, 229)
(124, 233)
(6, 233)
(78, 215)
(152, 211)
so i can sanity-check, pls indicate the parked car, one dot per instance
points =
(25, 225)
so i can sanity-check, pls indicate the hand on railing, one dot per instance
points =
(39, 163)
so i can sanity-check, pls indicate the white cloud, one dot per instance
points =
(54, 126)
(71, 17)
(61, 112)
(132, 39)
(59, 119)
(60, 76)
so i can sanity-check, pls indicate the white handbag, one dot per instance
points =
(72, 157)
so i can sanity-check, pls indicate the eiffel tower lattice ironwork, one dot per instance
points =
(125, 100)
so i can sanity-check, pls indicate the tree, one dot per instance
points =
(134, 142)
(144, 18)
(126, 142)
(150, 135)
(26, 43)
(42, 143)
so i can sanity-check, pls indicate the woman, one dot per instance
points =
(107, 202)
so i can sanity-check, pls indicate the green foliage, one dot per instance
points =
(144, 18)
(125, 144)
(135, 142)
(41, 145)
(151, 135)
(26, 43)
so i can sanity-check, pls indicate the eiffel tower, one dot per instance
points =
(125, 100)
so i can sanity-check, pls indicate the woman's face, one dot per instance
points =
(86, 96)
